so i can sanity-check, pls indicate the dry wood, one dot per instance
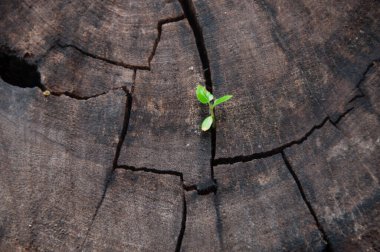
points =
(114, 158)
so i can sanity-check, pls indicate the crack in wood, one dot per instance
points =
(362, 79)
(110, 176)
(18, 72)
(191, 16)
(210, 186)
(158, 38)
(183, 223)
(78, 97)
(97, 57)
(278, 150)
(185, 188)
(160, 24)
(150, 170)
(307, 202)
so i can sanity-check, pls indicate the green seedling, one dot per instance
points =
(205, 97)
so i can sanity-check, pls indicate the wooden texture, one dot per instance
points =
(68, 70)
(151, 222)
(121, 31)
(201, 231)
(55, 155)
(163, 131)
(257, 208)
(114, 159)
(288, 64)
(340, 170)
(260, 209)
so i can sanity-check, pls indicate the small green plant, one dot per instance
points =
(205, 97)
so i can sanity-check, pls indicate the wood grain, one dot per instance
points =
(150, 222)
(164, 128)
(55, 153)
(339, 168)
(289, 65)
(114, 159)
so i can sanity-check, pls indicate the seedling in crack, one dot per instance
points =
(205, 97)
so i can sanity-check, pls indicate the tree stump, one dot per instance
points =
(101, 147)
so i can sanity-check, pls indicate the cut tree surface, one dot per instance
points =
(114, 159)
(163, 131)
(261, 209)
(55, 153)
(201, 231)
(151, 221)
(120, 31)
(342, 179)
(68, 70)
(257, 207)
(288, 64)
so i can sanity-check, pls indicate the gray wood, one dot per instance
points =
(68, 70)
(295, 69)
(257, 207)
(56, 153)
(121, 31)
(201, 231)
(289, 65)
(164, 127)
(132, 218)
(339, 168)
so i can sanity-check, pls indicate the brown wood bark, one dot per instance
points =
(114, 158)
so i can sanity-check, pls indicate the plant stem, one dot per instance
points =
(211, 108)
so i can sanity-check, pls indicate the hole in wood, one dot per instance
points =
(18, 72)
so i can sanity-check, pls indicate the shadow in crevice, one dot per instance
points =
(18, 72)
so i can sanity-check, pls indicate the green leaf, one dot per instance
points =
(222, 99)
(203, 95)
(210, 97)
(207, 122)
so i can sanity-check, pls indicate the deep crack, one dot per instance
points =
(183, 224)
(121, 63)
(159, 30)
(110, 176)
(265, 154)
(97, 57)
(123, 134)
(208, 187)
(307, 202)
(191, 16)
(78, 97)
(362, 79)
(366, 71)
(278, 150)
(150, 170)
(184, 209)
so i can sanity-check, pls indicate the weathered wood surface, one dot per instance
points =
(119, 31)
(340, 168)
(163, 131)
(55, 155)
(65, 70)
(152, 201)
(289, 65)
(257, 207)
(114, 158)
